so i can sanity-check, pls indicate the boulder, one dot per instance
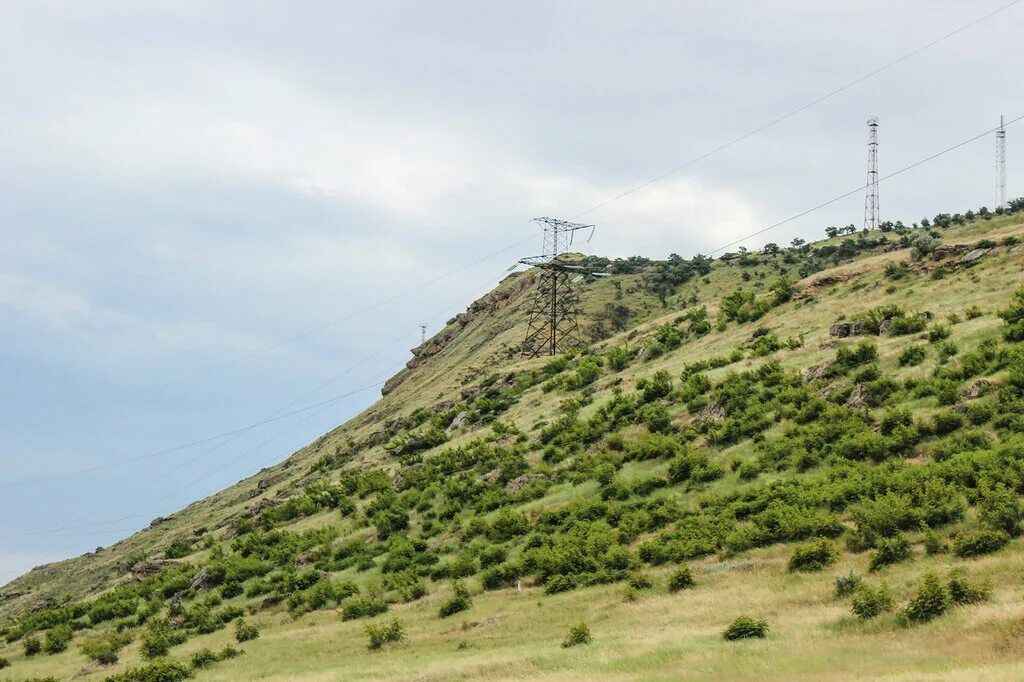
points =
(818, 371)
(201, 581)
(520, 482)
(976, 390)
(859, 397)
(712, 412)
(972, 256)
(457, 422)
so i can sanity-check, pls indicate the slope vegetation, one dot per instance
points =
(799, 463)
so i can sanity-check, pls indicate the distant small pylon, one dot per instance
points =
(423, 334)
(1001, 165)
(871, 194)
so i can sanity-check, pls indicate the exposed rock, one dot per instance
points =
(147, 569)
(263, 504)
(840, 330)
(520, 482)
(816, 372)
(972, 256)
(885, 328)
(457, 423)
(397, 480)
(470, 392)
(843, 329)
(201, 581)
(306, 558)
(976, 390)
(859, 396)
(712, 412)
(160, 520)
(48, 603)
(491, 476)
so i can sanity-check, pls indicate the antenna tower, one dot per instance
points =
(1001, 165)
(871, 196)
(552, 326)
(423, 334)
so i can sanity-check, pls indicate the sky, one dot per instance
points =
(214, 214)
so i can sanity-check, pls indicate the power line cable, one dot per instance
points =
(804, 107)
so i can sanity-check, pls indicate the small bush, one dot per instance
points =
(935, 543)
(460, 600)
(931, 601)
(32, 646)
(867, 602)
(105, 649)
(912, 356)
(639, 581)
(159, 637)
(559, 583)
(981, 541)
(889, 551)
(745, 627)
(813, 556)
(245, 632)
(157, 671)
(938, 332)
(681, 579)
(57, 638)
(362, 607)
(846, 584)
(962, 591)
(578, 634)
(385, 633)
(204, 658)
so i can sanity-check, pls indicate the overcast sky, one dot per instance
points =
(186, 185)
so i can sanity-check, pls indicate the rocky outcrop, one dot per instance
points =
(457, 423)
(859, 396)
(816, 372)
(841, 330)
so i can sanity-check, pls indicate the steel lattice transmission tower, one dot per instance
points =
(871, 195)
(552, 325)
(1001, 165)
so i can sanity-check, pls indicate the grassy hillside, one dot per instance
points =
(822, 437)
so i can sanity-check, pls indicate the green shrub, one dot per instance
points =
(32, 646)
(813, 556)
(105, 649)
(681, 579)
(245, 632)
(204, 658)
(578, 634)
(559, 583)
(362, 607)
(4, 663)
(1000, 509)
(503, 575)
(745, 627)
(159, 637)
(889, 551)
(931, 601)
(846, 584)
(57, 638)
(962, 591)
(935, 543)
(459, 601)
(912, 356)
(938, 332)
(385, 633)
(639, 581)
(157, 671)
(978, 542)
(867, 602)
